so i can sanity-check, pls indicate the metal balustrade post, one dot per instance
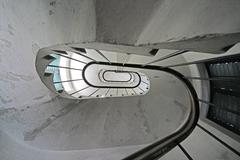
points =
(64, 67)
(199, 61)
(79, 90)
(103, 55)
(71, 58)
(223, 108)
(185, 152)
(229, 78)
(166, 57)
(68, 81)
(219, 140)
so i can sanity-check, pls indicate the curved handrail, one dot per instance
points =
(161, 147)
(111, 64)
(116, 71)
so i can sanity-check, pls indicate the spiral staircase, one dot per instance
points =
(112, 80)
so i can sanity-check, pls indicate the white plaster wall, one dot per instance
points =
(25, 27)
(12, 149)
(177, 20)
(31, 117)
(156, 21)
(123, 21)
(202, 146)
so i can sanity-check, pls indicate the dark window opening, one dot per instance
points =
(153, 52)
(225, 94)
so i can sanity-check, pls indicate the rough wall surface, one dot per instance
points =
(183, 19)
(34, 122)
(25, 27)
(201, 26)
(123, 21)
(31, 116)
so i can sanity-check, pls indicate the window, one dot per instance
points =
(225, 94)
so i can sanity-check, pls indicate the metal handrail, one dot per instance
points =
(111, 64)
(103, 76)
(161, 147)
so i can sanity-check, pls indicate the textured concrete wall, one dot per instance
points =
(177, 20)
(144, 22)
(34, 122)
(29, 25)
(32, 116)
(123, 21)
